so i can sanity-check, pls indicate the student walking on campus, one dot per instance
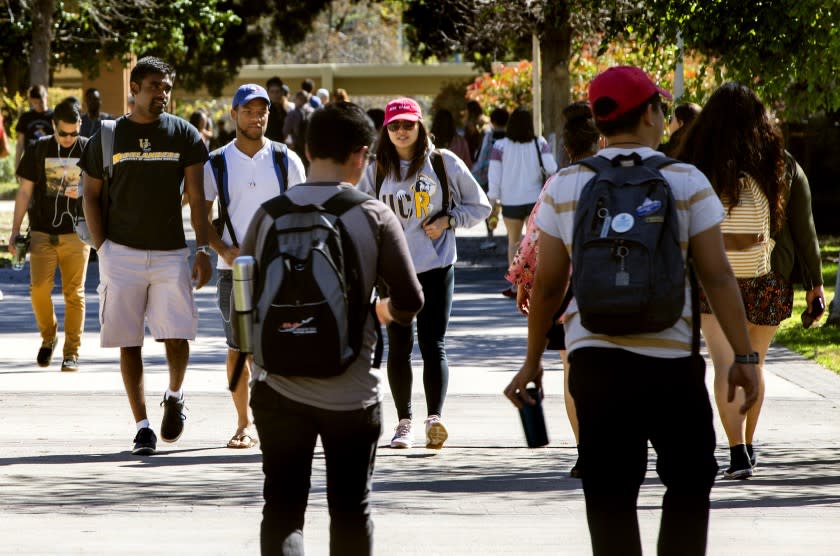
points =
(736, 144)
(49, 192)
(580, 140)
(645, 386)
(252, 170)
(344, 409)
(432, 192)
(138, 232)
(518, 165)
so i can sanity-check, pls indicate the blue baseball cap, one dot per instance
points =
(248, 92)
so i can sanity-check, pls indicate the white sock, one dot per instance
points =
(177, 394)
(144, 424)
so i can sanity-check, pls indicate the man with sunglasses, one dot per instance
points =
(49, 187)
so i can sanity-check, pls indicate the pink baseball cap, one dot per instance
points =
(402, 109)
(627, 86)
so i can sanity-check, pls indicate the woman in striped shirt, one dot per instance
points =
(739, 148)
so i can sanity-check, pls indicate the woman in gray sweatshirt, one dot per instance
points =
(432, 192)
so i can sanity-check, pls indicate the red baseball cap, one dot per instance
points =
(402, 109)
(628, 86)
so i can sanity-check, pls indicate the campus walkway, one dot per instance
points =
(69, 485)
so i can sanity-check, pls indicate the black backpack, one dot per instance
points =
(310, 302)
(219, 166)
(628, 268)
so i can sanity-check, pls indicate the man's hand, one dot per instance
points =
(745, 376)
(12, 248)
(229, 254)
(382, 312)
(515, 391)
(201, 271)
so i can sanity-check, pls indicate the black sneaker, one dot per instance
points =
(740, 467)
(145, 443)
(751, 453)
(46, 352)
(576, 472)
(173, 419)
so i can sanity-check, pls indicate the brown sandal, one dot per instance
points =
(242, 439)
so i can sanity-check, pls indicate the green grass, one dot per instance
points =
(822, 344)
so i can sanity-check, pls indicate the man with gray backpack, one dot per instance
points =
(318, 252)
(239, 177)
(624, 223)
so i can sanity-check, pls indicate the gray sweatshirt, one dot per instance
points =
(417, 197)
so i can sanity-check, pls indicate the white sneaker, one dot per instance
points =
(403, 436)
(436, 433)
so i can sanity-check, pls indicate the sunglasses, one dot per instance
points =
(401, 124)
(68, 133)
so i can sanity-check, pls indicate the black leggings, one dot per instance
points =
(438, 287)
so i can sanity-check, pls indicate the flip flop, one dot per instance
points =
(242, 439)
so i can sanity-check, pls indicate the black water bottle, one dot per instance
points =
(533, 420)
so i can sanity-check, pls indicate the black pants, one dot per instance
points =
(288, 431)
(623, 400)
(432, 320)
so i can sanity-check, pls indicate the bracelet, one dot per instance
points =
(751, 359)
(203, 249)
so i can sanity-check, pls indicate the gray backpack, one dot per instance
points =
(310, 302)
(628, 268)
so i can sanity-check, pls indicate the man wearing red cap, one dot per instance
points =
(642, 387)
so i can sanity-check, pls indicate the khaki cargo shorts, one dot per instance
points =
(139, 287)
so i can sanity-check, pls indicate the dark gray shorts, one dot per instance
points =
(224, 285)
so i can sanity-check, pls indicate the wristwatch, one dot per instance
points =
(203, 249)
(452, 222)
(750, 359)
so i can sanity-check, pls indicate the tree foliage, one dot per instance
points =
(206, 40)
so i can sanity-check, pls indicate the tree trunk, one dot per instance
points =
(42, 34)
(556, 46)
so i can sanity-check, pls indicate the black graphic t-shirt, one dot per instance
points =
(55, 172)
(144, 209)
(34, 125)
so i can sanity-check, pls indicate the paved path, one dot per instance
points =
(68, 484)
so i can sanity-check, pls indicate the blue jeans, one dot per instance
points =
(288, 431)
(623, 401)
(432, 321)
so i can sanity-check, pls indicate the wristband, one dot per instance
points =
(203, 249)
(751, 359)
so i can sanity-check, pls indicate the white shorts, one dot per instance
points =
(136, 286)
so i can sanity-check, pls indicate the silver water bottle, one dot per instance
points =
(243, 304)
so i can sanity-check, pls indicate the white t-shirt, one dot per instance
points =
(251, 182)
(514, 175)
(698, 209)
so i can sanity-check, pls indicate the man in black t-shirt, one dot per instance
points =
(49, 187)
(139, 236)
(92, 119)
(34, 123)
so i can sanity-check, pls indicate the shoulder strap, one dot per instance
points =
(539, 154)
(659, 161)
(219, 166)
(281, 164)
(106, 134)
(440, 172)
(596, 163)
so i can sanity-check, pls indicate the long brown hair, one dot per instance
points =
(732, 136)
(387, 159)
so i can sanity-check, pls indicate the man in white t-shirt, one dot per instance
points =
(643, 387)
(252, 174)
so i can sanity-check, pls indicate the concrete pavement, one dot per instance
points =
(68, 484)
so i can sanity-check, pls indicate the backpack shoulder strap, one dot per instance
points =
(219, 166)
(440, 172)
(659, 161)
(344, 200)
(281, 164)
(106, 134)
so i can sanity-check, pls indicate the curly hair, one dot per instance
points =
(733, 136)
